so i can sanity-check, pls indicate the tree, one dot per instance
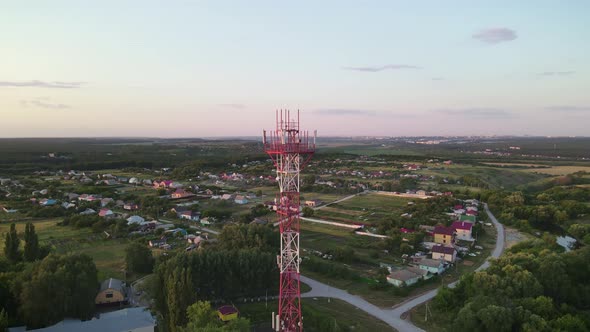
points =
(3, 320)
(11, 245)
(496, 318)
(201, 317)
(308, 212)
(139, 258)
(58, 287)
(31, 251)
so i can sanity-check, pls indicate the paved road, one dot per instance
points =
(392, 316)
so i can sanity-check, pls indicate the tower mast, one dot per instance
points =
(290, 149)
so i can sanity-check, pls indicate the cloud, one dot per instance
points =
(381, 68)
(236, 106)
(437, 79)
(568, 108)
(44, 102)
(495, 35)
(41, 84)
(556, 73)
(477, 113)
(343, 112)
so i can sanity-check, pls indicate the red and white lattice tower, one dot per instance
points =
(290, 149)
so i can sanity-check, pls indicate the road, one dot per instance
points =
(393, 316)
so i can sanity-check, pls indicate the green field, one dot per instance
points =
(367, 208)
(259, 313)
(108, 255)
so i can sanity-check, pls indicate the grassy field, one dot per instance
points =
(369, 208)
(494, 177)
(339, 311)
(108, 255)
(559, 170)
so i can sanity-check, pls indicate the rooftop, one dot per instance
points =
(443, 250)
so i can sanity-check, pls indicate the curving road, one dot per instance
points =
(393, 316)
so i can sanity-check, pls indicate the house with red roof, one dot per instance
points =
(446, 253)
(106, 213)
(444, 235)
(181, 193)
(463, 230)
(162, 184)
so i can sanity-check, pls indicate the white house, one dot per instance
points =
(403, 278)
(135, 220)
(433, 266)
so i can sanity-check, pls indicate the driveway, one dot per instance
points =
(393, 316)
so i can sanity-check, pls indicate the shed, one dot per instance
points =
(227, 313)
(111, 291)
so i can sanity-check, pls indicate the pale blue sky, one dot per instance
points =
(212, 68)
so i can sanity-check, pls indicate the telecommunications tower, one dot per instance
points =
(290, 149)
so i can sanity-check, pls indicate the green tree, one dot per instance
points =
(3, 320)
(11, 244)
(31, 251)
(58, 287)
(496, 318)
(139, 258)
(308, 212)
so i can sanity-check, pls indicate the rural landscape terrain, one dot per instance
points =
(406, 234)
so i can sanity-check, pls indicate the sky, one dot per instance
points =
(353, 68)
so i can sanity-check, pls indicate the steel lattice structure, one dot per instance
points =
(290, 149)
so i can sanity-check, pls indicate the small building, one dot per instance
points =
(421, 192)
(446, 253)
(105, 213)
(313, 202)
(189, 215)
(157, 243)
(87, 212)
(111, 291)
(130, 206)
(135, 220)
(434, 266)
(444, 235)
(403, 277)
(227, 197)
(227, 313)
(240, 199)
(47, 202)
(181, 193)
(463, 230)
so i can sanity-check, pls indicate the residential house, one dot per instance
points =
(72, 196)
(189, 215)
(135, 220)
(444, 235)
(471, 213)
(403, 277)
(446, 253)
(147, 182)
(209, 192)
(181, 193)
(111, 291)
(68, 205)
(134, 181)
(47, 202)
(194, 239)
(105, 213)
(110, 182)
(162, 184)
(313, 202)
(226, 197)
(157, 243)
(240, 199)
(130, 206)
(417, 270)
(463, 230)
(87, 212)
(421, 192)
(434, 266)
(106, 201)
